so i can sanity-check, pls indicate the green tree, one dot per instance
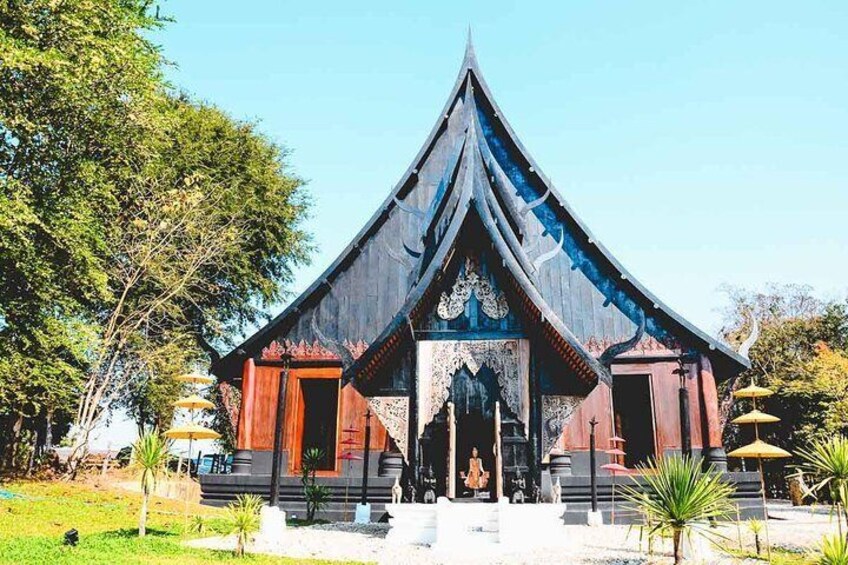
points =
(247, 188)
(802, 354)
(137, 228)
(79, 83)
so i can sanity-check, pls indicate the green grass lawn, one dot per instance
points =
(32, 527)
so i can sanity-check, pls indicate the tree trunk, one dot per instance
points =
(142, 518)
(13, 444)
(757, 543)
(678, 554)
(48, 431)
(31, 462)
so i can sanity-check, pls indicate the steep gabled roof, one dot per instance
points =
(514, 201)
(475, 194)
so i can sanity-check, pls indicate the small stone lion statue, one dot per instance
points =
(397, 492)
(556, 492)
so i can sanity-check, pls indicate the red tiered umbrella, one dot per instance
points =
(614, 467)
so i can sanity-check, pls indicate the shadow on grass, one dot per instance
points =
(130, 533)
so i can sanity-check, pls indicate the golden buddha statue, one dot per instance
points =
(477, 478)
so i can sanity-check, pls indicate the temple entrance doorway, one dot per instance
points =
(473, 430)
(320, 399)
(633, 417)
(466, 420)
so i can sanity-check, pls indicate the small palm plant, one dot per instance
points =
(150, 455)
(316, 496)
(827, 461)
(833, 550)
(243, 517)
(756, 528)
(680, 498)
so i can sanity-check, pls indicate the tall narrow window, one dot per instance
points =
(634, 420)
(320, 411)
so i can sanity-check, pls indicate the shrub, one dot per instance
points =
(243, 516)
(680, 497)
(826, 460)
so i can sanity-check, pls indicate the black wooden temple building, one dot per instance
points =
(474, 309)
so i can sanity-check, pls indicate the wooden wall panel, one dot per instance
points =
(245, 430)
(259, 425)
(353, 410)
(667, 406)
(266, 383)
(664, 393)
(575, 436)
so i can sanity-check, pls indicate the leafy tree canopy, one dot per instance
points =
(138, 228)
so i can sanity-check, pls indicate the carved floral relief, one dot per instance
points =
(493, 303)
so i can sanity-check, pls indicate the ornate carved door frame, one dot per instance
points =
(451, 479)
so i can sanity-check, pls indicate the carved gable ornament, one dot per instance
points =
(556, 412)
(393, 413)
(452, 305)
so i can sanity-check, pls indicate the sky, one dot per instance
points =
(704, 143)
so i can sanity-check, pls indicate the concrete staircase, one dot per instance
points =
(452, 526)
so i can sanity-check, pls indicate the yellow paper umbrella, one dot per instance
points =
(194, 402)
(759, 450)
(195, 378)
(752, 391)
(190, 432)
(756, 417)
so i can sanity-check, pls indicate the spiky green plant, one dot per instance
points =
(316, 496)
(150, 456)
(681, 497)
(756, 527)
(833, 550)
(197, 524)
(826, 460)
(243, 519)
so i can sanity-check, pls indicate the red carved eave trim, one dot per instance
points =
(646, 346)
(314, 351)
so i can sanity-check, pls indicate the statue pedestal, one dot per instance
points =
(272, 526)
(363, 514)
(594, 518)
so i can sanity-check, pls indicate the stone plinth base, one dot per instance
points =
(363, 514)
(272, 526)
(594, 518)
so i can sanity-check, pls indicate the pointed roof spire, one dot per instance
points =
(470, 56)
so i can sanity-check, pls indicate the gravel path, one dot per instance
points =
(796, 529)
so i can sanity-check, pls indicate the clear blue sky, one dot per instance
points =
(703, 142)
